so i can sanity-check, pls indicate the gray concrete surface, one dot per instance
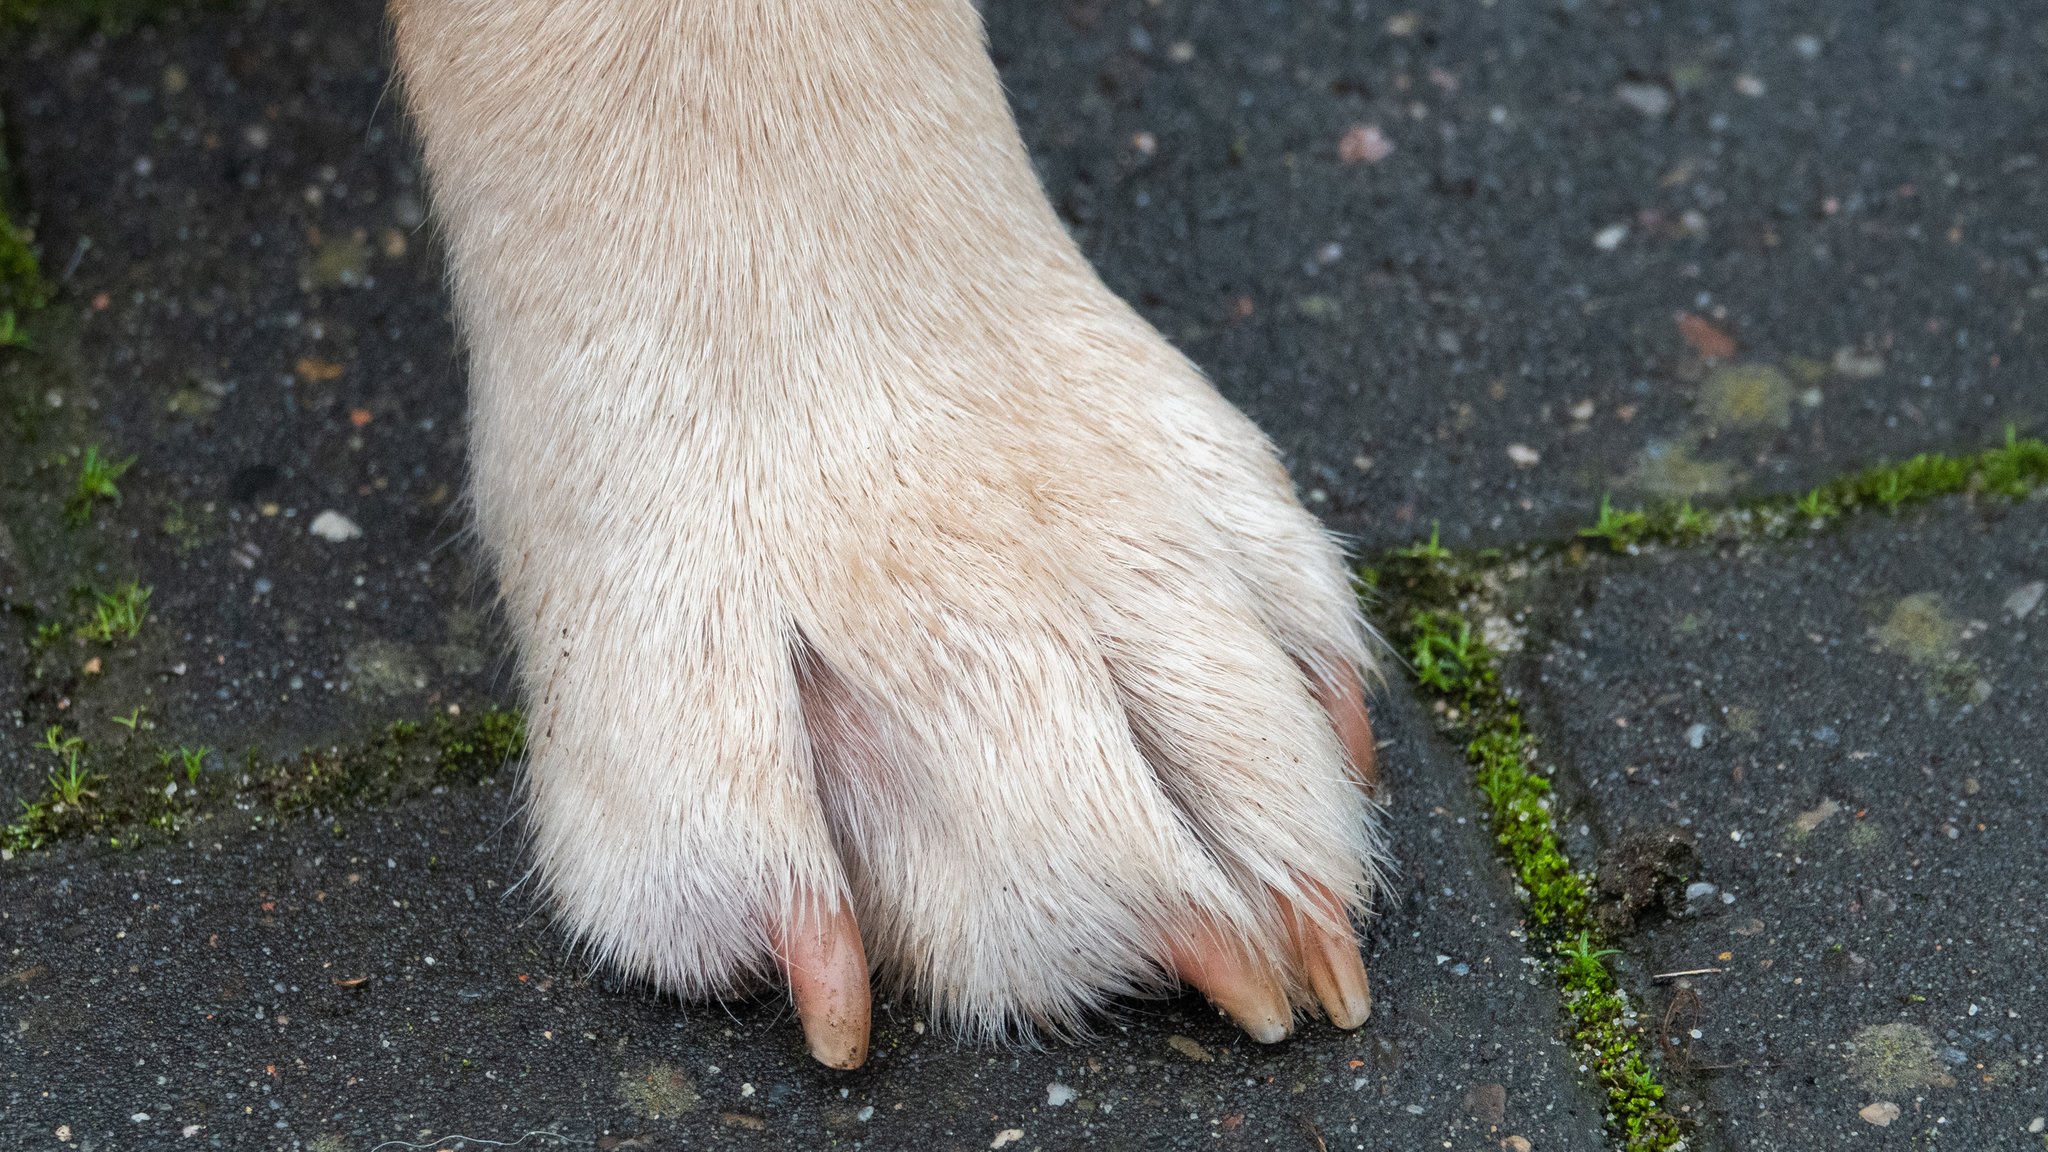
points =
(1849, 727)
(1867, 184)
(274, 986)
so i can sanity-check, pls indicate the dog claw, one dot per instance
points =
(827, 969)
(1223, 970)
(1328, 958)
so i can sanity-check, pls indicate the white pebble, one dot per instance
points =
(2025, 599)
(333, 526)
(1652, 100)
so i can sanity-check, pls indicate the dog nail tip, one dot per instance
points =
(827, 969)
(1226, 973)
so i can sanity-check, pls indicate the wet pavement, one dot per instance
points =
(1473, 266)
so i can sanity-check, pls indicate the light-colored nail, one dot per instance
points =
(827, 968)
(1224, 970)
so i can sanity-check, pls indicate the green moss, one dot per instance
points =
(403, 760)
(1429, 593)
(1454, 666)
(2013, 470)
(21, 284)
(1618, 527)
(129, 790)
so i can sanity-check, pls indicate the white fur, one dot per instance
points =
(857, 540)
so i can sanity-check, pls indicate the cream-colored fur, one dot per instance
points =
(858, 542)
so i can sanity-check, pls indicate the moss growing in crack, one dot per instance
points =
(131, 790)
(1434, 591)
(403, 760)
(1455, 666)
(21, 285)
(22, 289)
(2013, 470)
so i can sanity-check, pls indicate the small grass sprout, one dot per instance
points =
(1620, 528)
(72, 783)
(96, 476)
(1431, 551)
(132, 721)
(118, 615)
(1687, 522)
(56, 743)
(1579, 959)
(1817, 505)
(12, 334)
(1446, 653)
(194, 761)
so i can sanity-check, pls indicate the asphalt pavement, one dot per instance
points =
(1473, 265)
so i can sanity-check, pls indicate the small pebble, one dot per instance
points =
(334, 527)
(1880, 1114)
(1652, 100)
(1058, 1095)
(1610, 237)
(1857, 365)
(2025, 599)
(1007, 1136)
(1364, 143)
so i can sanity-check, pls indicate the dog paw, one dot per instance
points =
(891, 600)
(1023, 695)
